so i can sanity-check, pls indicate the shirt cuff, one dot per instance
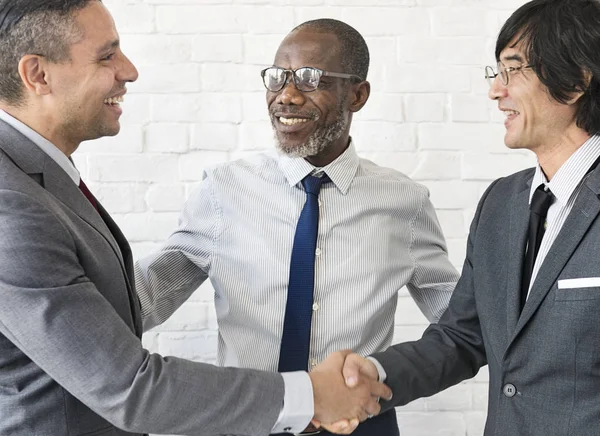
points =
(380, 370)
(298, 403)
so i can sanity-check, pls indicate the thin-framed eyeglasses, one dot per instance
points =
(306, 79)
(503, 72)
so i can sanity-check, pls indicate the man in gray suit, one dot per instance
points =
(528, 301)
(71, 361)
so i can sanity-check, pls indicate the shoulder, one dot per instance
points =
(245, 168)
(509, 185)
(390, 179)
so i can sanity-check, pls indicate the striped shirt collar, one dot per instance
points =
(341, 171)
(570, 175)
(47, 147)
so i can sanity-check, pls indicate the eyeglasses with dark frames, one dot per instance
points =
(503, 72)
(306, 79)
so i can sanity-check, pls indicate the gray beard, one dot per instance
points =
(317, 143)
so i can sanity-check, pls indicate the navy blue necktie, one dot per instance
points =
(293, 355)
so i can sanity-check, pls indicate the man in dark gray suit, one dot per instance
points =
(528, 301)
(71, 361)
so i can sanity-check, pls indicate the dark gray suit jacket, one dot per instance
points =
(71, 362)
(544, 364)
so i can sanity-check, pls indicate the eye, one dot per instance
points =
(108, 57)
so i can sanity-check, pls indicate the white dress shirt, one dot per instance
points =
(378, 232)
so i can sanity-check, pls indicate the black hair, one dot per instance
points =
(561, 41)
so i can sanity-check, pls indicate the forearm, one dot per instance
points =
(163, 282)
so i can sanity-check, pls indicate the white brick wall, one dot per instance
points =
(199, 101)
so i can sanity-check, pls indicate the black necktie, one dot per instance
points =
(538, 209)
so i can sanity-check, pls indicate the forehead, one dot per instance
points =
(514, 52)
(96, 25)
(306, 48)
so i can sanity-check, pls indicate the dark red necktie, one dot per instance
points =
(88, 194)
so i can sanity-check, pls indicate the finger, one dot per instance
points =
(372, 408)
(351, 427)
(363, 416)
(315, 423)
(340, 427)
(380, 390)
(352, 369)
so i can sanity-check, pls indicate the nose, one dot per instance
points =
(290, 95)
(127, 72)
(497, 90)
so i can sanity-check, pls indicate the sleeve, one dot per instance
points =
(55, 315)
(434, 277)
(450, 351)
(298, 405)
(166, 279)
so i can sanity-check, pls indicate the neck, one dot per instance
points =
(42, 124)
(330, 153)
(552, 156)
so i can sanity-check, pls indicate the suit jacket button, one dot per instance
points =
(509, 390)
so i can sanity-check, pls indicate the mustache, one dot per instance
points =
(288, 112)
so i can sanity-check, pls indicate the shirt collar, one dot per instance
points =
(341, 171)
(47, 147)
(571, 173)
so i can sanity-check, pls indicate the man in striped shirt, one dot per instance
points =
(377, 229)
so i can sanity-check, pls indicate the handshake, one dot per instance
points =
(346, 392)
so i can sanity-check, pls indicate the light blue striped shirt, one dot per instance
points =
(378, 232)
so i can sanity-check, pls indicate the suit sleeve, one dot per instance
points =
(53, 313)
(166, 279)
(450, 351)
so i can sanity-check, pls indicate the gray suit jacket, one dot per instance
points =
(71, 362)
(544, 364)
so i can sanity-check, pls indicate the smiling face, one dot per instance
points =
(309, 124)
(87, 89)
(534, 120)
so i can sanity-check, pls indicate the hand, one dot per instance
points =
(336, 402)
(355, 368)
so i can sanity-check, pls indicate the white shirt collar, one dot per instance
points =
(570, 175)
(47, 147)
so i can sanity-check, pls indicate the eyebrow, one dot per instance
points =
(108, 46)
(513, 57)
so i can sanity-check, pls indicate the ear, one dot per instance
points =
(359, 95)
(33, 71)
(575, 96)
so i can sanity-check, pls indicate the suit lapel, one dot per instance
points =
(46, 172)
(519, 218)
(127, 262)
(584, 212)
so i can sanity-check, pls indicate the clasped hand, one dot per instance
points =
(346, 392)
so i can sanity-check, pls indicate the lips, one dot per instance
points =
(511, 114)
(289, 122)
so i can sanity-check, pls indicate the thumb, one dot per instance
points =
(352, 368)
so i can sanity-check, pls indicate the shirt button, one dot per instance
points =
(509, 390)
(315, 307)
(313, 363)
(320, 203)
(318, 251)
